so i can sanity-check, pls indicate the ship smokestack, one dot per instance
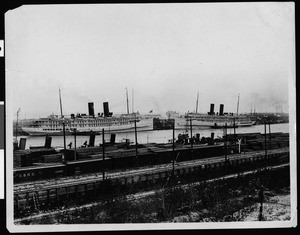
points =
(211, 112)
(105, 109)
(91, 109)
(221, 110)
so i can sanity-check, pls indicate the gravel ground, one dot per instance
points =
(275, 208)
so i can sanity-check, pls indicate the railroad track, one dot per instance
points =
(142, 195)
(92, 177)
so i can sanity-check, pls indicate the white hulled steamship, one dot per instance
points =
(82, 123)
(211, 119)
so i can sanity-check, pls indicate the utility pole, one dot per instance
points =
(234, 133)
(191, 127)
(127, 101)
(136, 144)
(16, 143)
(61, 112)
(261, 199)
(197, 102)
(265, 137)
(132, 102)
(270, 133)
(103, 154)
(17, 124)
(238, 103)
(75, 144)
(173, 153)
(240, 143)
(225, 143)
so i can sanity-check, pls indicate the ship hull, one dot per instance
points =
(82, 131)
(184, 122)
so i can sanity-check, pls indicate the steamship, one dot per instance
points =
(211, 119)
(82, 123)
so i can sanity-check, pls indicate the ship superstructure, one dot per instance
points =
(82, 123)
(211, 119)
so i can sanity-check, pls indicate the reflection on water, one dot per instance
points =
(161, 136)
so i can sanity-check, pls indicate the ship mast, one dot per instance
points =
(127, 101)
(17, 123)
(197, 102)
(132, 101)
(237, 109)
(61, 113)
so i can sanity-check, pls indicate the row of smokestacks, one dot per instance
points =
(109, 114)
(212, 107)
(105, 113)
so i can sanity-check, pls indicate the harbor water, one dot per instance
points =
(157, 136)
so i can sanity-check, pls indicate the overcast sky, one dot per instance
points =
(166, 53)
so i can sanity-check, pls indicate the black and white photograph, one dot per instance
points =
(156, 116)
